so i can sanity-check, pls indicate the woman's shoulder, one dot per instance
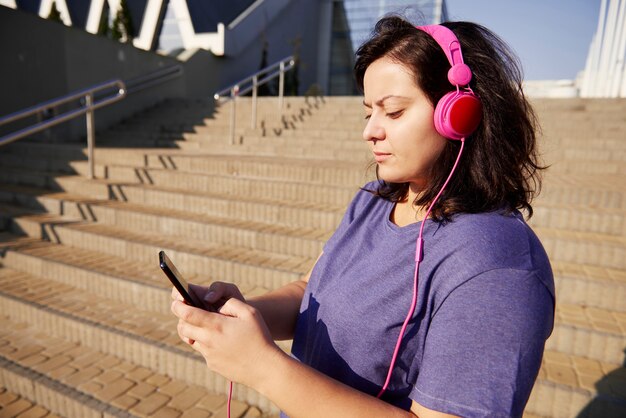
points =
(498, 239)
(481, 245)
(498, 227)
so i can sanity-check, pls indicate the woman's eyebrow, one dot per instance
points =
(381, 101)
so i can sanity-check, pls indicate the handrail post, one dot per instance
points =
(281, 88)
(254, 93)
(91, 133)
(233, 111)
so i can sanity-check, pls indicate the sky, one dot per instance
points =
(551, 37)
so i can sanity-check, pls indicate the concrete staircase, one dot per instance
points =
(86, 329)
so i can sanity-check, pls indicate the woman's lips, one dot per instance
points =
(381, 156)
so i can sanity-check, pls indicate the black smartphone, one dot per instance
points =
(178, 281)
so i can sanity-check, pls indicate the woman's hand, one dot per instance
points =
(235, 342)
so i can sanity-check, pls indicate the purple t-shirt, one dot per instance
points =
(485, 308)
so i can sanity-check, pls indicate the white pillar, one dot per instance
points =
(46, 7)
(146, 37)
(605, 68)
(619, 52)
(96, 7)
(607, 46)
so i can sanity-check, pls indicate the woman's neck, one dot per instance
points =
(405, 212)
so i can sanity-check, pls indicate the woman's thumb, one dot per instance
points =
(233, 307)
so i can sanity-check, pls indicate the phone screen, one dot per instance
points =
(178, 281)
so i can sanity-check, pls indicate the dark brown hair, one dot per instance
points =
(499, 167)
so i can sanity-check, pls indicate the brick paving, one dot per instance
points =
(82, 336)
(83, 381)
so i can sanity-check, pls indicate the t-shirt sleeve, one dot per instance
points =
(484, 346)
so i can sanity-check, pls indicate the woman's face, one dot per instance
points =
(400, 129)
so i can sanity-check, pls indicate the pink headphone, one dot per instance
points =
(459, 112)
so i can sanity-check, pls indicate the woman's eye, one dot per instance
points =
(367, 117)
(394, 115)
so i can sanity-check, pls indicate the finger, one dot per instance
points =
(196, 316)
(217, 291)
(199, 291)
(221, 292)
(189, 332)
(180, 330)
(236, 308)
(176, 294)
(203, 349)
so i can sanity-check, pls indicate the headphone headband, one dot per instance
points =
(459, 74)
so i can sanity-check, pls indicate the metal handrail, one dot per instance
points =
(252, 83)
(155, 77)
(88, 104)
(87, 107)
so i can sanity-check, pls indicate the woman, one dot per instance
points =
(451, 325)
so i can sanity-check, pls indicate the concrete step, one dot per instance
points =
(587, 190)
(613, 168)
(314, 131)
(593, 333)
(208, 260)
(609, 221)
(72, 379)
(307, 242)
(594, 146)
(590, 286)
(319, 171)
(350, 141)
(13, 404)
(130, 282)
(282, 212)
(269, 150)
(312, 171)
(579, 104)
(603, 120)
(570, 385)
(579, 131)
(600, 155)
(29, 162)
(215, 138)
(226, 185)
(587, 248)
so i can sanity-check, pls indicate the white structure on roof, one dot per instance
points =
(605, 70)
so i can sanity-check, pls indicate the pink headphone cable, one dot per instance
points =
(419, 253)
(230, 398)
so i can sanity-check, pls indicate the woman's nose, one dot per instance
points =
(373, 130)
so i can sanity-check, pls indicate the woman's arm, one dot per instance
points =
(301, 391)
(280, 308)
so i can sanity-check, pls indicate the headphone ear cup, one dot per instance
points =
(457, 115)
